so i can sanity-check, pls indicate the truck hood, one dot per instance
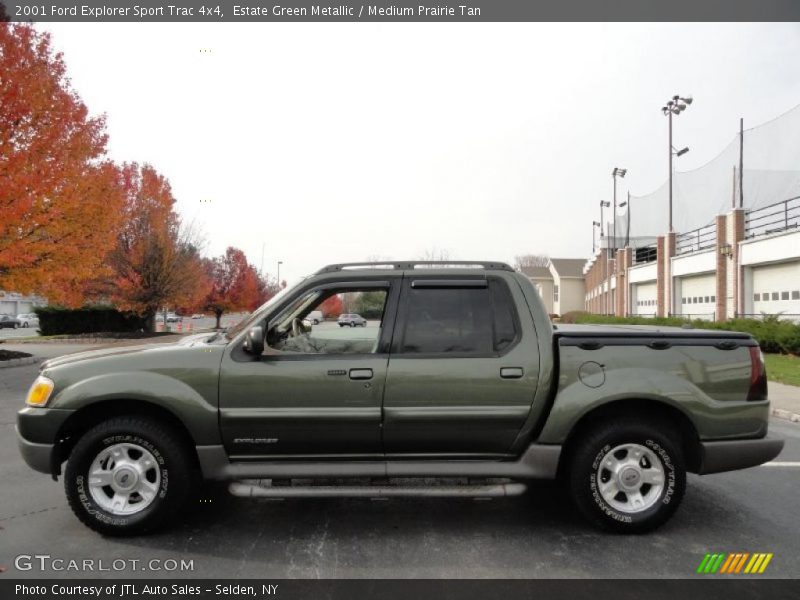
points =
(137, 349)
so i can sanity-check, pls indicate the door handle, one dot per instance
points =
(511, 372)
(360, 373)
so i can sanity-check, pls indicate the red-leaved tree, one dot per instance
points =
(59, 198)
(234, 284)
(156, 261)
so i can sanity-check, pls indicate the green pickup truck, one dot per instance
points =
(459, 385)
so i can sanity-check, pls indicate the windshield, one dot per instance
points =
(255, 315)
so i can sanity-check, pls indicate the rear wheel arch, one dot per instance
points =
(88, 416)
(652, 411)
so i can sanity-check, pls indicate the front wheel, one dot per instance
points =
(24, 324)
(129, 475)
(627, 476)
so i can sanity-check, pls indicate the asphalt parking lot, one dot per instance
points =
(535, 535)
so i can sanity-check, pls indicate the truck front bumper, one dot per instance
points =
(730, 455)
(38, 456)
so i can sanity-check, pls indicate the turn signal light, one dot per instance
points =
(758, 375)
(40, 392)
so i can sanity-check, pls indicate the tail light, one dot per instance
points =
(758, 375)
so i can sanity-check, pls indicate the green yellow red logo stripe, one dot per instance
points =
(735, 563)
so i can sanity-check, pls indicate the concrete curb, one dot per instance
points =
(20, 362)
(785, 414)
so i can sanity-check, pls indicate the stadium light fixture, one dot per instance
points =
(675, 106)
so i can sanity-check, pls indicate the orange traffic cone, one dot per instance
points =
(180, 326)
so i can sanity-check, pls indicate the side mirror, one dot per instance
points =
(254, 344)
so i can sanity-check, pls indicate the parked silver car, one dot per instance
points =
(351, 320)
(28, 320)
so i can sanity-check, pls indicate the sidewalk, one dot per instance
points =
(785, 401)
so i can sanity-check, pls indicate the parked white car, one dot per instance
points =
(28, 320)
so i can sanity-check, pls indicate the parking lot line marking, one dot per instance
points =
(782, 464)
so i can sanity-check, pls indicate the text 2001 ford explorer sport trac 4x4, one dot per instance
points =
(460, 379)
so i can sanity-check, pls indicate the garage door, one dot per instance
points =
(776, 289)
(698, 296)
(643, 299)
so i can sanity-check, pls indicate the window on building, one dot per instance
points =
(784, 295)
(774, 295)
(796, 295)
(713, 298)
(555, 293)
(756, 297)
(707, 299)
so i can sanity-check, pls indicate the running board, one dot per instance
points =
(258, 488)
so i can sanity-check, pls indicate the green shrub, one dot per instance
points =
(54, 320)
(773, 334)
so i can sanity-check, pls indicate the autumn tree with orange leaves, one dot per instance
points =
(156, 260)
(234, 284)
(60, 198)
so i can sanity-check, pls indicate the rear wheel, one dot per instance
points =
(129, 475)
(627, 475)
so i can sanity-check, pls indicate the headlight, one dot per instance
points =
(40, 391)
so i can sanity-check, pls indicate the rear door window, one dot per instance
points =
(452, 320)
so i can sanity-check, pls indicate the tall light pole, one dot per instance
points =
(280, 262)
(628, 220)
(604, 204)
(675, 106)
(595, 225)
(617, 172)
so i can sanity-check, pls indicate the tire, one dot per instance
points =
(16, 325)
(171, 479)
(637, 451)
(25, 325)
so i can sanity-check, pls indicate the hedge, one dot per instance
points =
(91, 319)
(773, 334)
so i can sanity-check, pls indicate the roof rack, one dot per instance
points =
(414, 264)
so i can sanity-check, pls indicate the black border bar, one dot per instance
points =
(142, 11)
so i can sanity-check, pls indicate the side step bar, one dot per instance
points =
(256, 488)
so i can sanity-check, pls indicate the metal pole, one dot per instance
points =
(605, 264)
(741, 162)
(670, 170)
(614, 217)
(628, 228)
(279, 274)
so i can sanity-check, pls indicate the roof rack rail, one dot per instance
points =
(414, 264)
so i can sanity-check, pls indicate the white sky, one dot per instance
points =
(335, 142)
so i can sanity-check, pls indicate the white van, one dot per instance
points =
(315, 317)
